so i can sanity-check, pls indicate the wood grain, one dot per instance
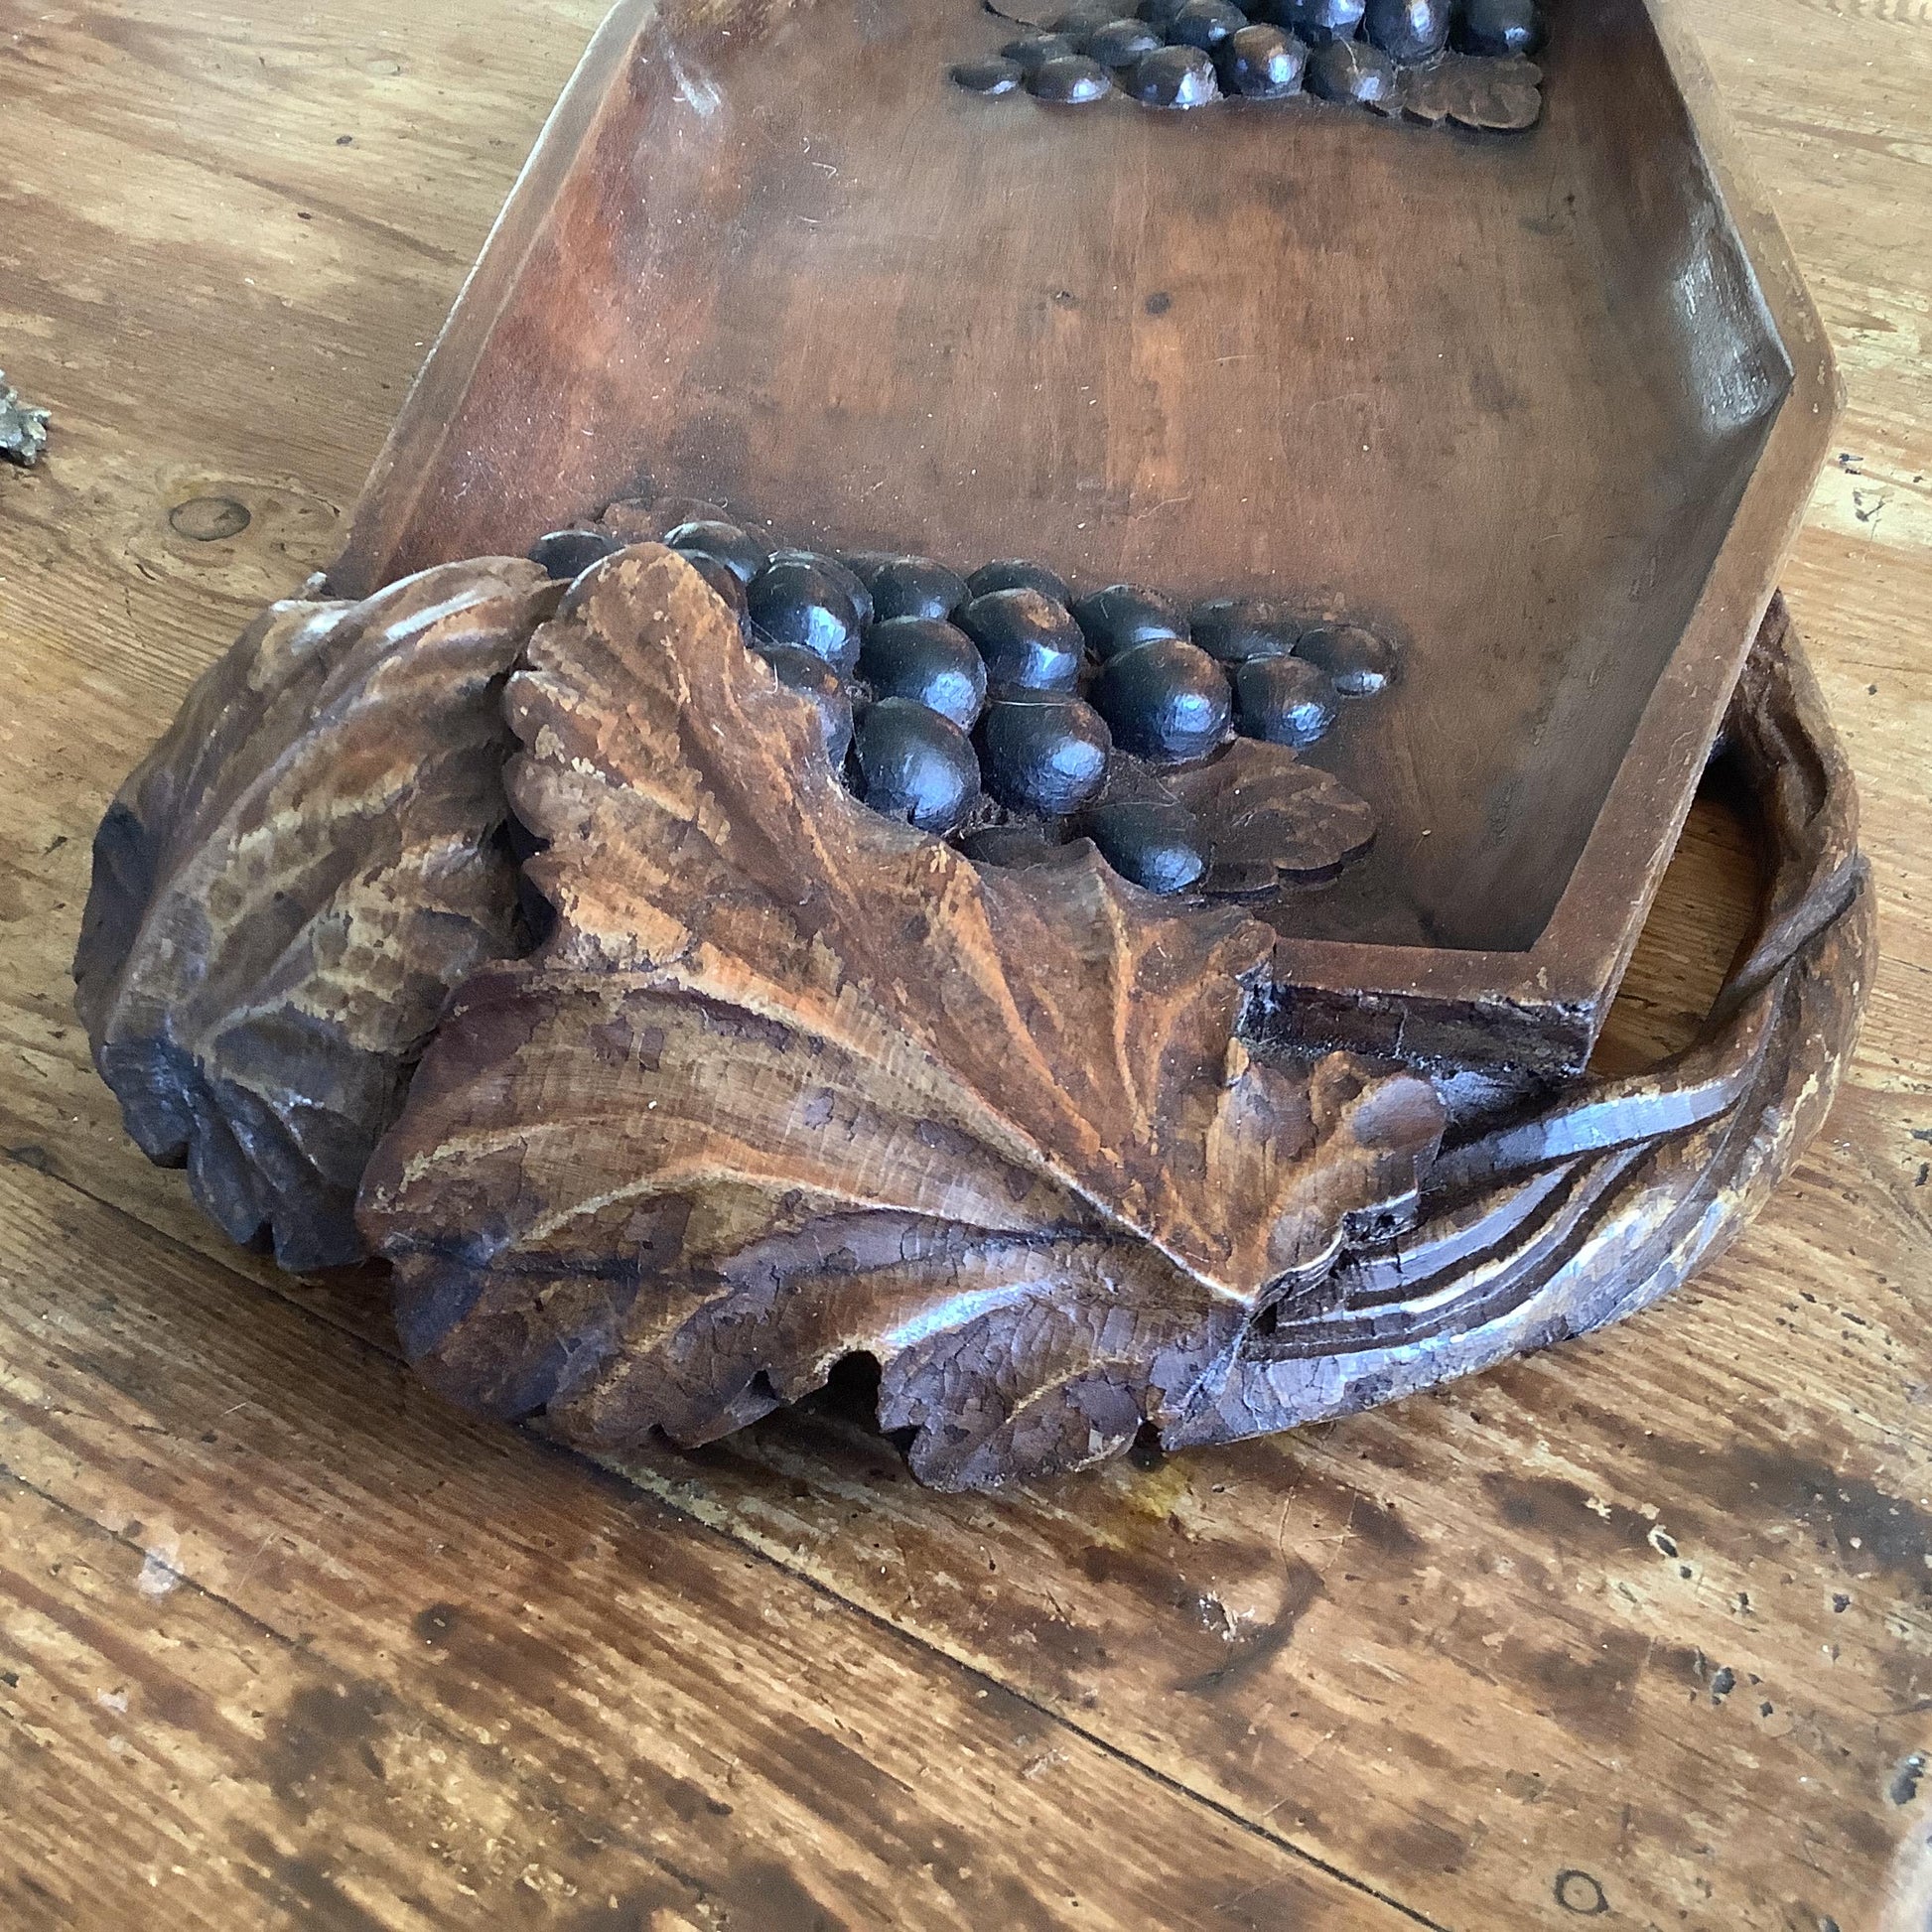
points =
(791, 1083)
(412, 1724)
(287, 888)
(1444, 1646)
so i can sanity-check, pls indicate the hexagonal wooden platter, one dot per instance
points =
(1545, 405)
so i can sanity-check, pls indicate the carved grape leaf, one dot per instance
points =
(288, 888)
(791, 1083)
(1266, 817)
(1483, 91)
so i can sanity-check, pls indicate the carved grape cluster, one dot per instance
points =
(1019, 720)
(1434, 60)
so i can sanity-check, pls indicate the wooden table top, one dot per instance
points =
(1635, 1631)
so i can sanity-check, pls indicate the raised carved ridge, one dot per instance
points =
(792, 1083)
(1604, 1198)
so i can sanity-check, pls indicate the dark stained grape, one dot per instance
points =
(1174, 76)
(988, 77)
(1408, 30)
(1205, 24)
(1158, 13)
(1497, 26)
(811, 677)
(567, 554)
(841, 573)
(1285, 700)
(1120, 43)
(1233, 630)
(1027, 641)
(1123, 615)
(1351, 70)
(740, 553)
(1043, 754)
(1263, 64)
(928, 661)
(1360, 663)
(916, 586)
(1032, 51)
(866, 565)
(1167, 701)
(916, 765)
(722, 579)
(1027, 638)
(796, 603)
(1083, 18)
(1029, 843)
(1154, 845)
(1072, 79)
(1320, 21)
(1016, 574)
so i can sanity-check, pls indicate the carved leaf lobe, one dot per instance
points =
(288, 888)
(790, 1081)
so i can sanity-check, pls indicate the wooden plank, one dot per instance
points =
(276, 1616)
(222, 1776)
(1445, 1647)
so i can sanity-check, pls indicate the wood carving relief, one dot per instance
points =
(788, 1081)
(286, 889)
(1603, 1196)
(1015, 717)
(1428, 60)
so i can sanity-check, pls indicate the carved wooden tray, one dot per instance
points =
(528, 933)
(1547, 406)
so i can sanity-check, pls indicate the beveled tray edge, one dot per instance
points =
(422, 423)
(1545, 1007)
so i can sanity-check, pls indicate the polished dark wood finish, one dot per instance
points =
(287, 888)
(772, 257)
(788, 1083)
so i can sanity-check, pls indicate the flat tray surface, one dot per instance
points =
(1503, 397)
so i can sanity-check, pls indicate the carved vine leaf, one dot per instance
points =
(1501, 96)
(1266, 818)
(288, 888)
(791, 1083)
(1602, 1197)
